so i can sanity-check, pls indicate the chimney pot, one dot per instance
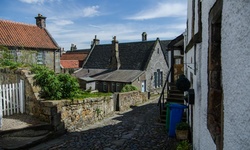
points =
(40, 21)
(95, 41)
(144, 36)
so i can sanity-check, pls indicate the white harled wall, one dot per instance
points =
(235, 48)
(202, 139)
(235, 59)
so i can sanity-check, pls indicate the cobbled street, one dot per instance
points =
(136, 129)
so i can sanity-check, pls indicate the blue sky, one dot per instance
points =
(78, 21)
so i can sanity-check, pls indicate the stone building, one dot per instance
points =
(31, 43)
(109, 67)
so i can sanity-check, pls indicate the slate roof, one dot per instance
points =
(16, 34)
(109, 75)
(133, 56)
(164, 44)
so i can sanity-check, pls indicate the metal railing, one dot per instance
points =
(161, 100)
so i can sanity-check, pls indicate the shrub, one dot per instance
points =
(49, 83)
(182, 126)
(70, 85)
(184, 145)
(129, 87)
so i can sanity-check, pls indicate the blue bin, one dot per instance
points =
(176, 112)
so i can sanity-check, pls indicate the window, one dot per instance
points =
(215, 88)
(40, 57)
(177, 61)
(161, 75)
(155, 79)
(113, 87)
(104, 86)
(117, 87)
(158, 80)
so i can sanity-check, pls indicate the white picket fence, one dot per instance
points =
(11, 99)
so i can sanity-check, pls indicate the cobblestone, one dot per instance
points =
(136, 129)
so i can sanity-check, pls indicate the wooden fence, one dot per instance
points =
(11, 99)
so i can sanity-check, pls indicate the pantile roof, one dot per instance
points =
(73, 59)
(24, 35)
(70, 64)
(74, 56)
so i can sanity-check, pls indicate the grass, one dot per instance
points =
(82, 95)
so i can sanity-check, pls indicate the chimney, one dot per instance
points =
(115, 60)
(95, 41)
(73, 47)
(41, 21)
(144, 36)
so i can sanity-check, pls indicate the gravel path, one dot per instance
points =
(137, 129)
(18, 121)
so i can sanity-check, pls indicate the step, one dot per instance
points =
(176, 91)
(177, 95)
(174, 98)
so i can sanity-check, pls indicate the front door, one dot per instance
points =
(143, 86)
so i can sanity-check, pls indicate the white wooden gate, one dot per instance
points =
(11, 99)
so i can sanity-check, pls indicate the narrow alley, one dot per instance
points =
(136, 129)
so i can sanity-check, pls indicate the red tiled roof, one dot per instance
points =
(70, 64)
(74, 56)
(25, 35)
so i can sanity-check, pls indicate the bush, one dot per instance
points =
(55, 86)
(184, 145)
(70, 86)
(129, 87)
(182, 126)
(49, 83)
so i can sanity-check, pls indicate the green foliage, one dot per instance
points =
(49, 83)
(11, 60)
(182, 126)
(55, 86)
(85, 94)
(184, 145)
(69, 85)
(7, 59)
(129, 87)
(35, 69)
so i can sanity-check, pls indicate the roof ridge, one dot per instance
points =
(14, 22)
(127, 42)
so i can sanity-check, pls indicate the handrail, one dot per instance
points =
(163, 89)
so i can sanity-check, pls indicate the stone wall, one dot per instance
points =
(125, 100)
(70, 114)
(76, 114)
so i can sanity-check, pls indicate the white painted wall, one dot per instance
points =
(201, 136)
(235, 59)
(236, 73)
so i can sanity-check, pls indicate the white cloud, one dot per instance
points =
(128, 32)
(36, 1)
(161, 10)
(62, 22)
(91, 11)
